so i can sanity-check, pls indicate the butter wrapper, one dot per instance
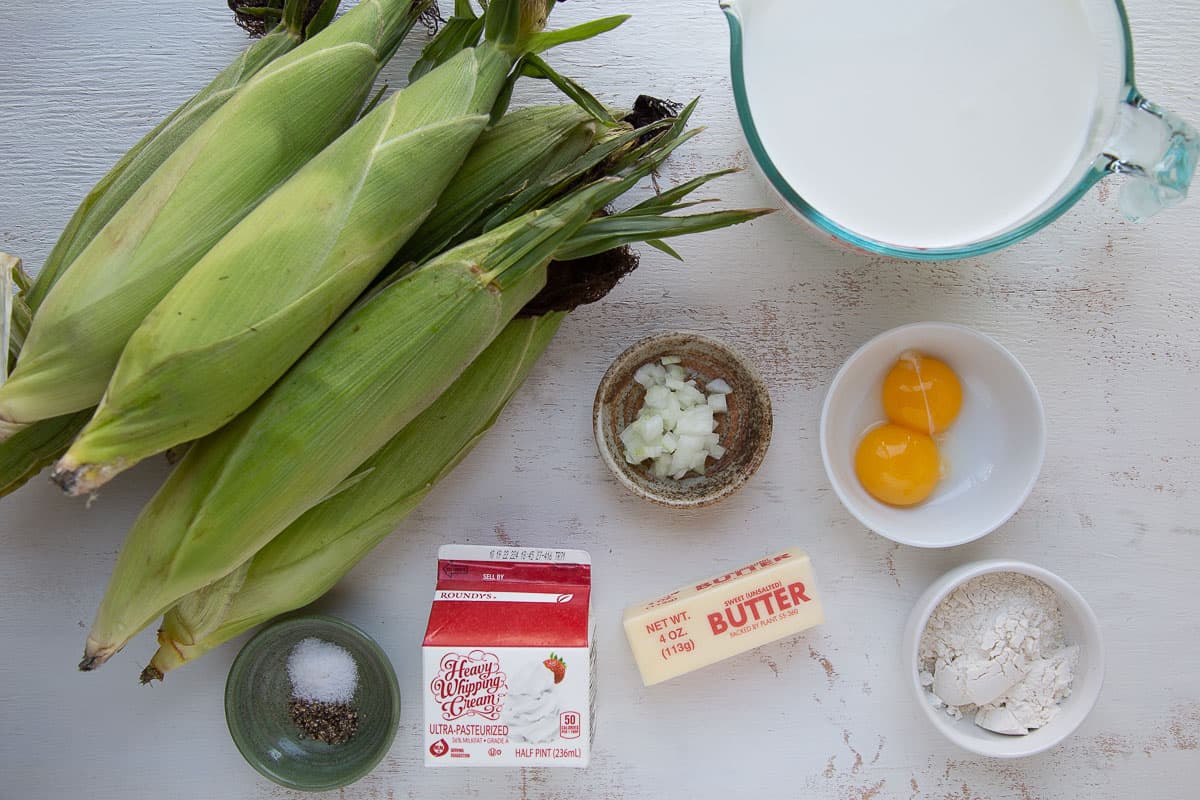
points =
(710, 620)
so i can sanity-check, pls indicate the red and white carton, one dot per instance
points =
(508, 659)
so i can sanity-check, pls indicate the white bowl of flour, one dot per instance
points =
(1005, 658)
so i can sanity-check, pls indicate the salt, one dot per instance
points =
(322, 672)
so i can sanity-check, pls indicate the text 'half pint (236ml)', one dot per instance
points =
(710, 620)
(508, 659)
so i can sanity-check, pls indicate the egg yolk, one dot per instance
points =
(897, 466)
(922, 393)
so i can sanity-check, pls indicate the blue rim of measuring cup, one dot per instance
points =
(1100, 167)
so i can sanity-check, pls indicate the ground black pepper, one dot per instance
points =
(331, 723)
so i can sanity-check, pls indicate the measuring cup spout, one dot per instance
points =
(1158, 151)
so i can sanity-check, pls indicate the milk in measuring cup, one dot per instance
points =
(922, 123)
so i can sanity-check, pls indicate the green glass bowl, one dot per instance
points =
(256, 700)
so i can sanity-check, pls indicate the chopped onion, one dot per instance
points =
(676, 426)
(657, 396)
(697, 420)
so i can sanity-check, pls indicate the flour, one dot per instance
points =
(995, 648)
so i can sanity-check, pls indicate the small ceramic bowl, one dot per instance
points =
(1080, 628)
(745, 430)
(993, 452)
(256, 707)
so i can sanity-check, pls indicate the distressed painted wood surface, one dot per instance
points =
(1103, 314)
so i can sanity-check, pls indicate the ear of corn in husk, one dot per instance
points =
(479, 199)
(649, 221)
(31, 449)
(311, 554)
(299, 21)
(517, 149)
(314, 552)
(375, 370)
(271, 126)
(308, 557)
(525, 145)
(45, 441)
(184, 372)
(36, 447)
(314, 244)
(617, 150)
(197, 618)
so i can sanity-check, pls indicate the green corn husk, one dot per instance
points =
(377, 368)
(298, 23)
(315, 244)
(40, 445)
(480, 198)
(314, 552)
(374, 370)
(464, 29)
(525, 145)
(271, 126)
(15, 314)
(256, 19)
(528, 143)
(545, 148)
(32, 449)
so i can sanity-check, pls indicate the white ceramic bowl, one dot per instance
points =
(1081, 628)
(993, 451)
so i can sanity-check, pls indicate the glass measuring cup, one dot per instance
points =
(1126, 135)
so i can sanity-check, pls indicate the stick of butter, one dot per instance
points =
(704, 622)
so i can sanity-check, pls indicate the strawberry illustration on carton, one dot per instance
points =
(509, 672)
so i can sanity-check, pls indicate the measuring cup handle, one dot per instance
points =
(1158, 151)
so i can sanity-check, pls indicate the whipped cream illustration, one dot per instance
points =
(532, 708)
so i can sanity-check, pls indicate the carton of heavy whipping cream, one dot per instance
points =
(508, 659)
(727, 614)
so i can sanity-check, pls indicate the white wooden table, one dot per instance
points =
(1103, 314)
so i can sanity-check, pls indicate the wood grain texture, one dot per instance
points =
(1103, 314)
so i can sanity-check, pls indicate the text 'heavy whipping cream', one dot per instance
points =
(508, 668)
(925, 123)
(722, 616)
